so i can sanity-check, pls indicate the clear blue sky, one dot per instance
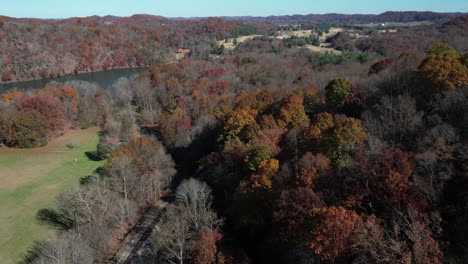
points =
(191, 8)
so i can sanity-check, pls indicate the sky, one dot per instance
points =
(203, 8)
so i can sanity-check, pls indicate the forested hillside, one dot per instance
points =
(34, 48)
(407, 16)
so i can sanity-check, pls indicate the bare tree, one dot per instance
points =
(91, 210)
(156, 169)
(203, 124)
(196, 197)
(69, 248)
(395, 118)
(173, 237)
(121, 91)
(176, 238)
(124, 178)
(128, 123)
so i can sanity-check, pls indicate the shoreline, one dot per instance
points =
(72, 74)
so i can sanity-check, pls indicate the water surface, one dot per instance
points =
(103, 78)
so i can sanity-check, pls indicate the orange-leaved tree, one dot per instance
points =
(292, 113)
(443, 69)
(242, 124)
(333, 231)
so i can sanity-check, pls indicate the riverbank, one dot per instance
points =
(103, 78)
(73, 74)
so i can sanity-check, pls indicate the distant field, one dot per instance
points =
(398, 24)
(288, 34)
(331, 32)
(323, 50)
(229, 44)
(31, 179)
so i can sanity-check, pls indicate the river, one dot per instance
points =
(103, 78)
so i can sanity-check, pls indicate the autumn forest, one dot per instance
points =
(289, 139)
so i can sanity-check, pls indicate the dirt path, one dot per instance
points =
(139, 234)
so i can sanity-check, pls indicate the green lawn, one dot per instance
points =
(30, 180)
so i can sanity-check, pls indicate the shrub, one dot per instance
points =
(87, 125)
(249, 60)
(26, 145)
(93, 155)
(72, 145)
(320, 60)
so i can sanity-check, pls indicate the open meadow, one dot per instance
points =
(30, 179)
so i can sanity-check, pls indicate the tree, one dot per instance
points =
(310, 167)
(371, 244)
(335, 136)
(347, 133)
(123, 172)
(6, 76)
(176, 127)
(381, 66)
(443, 74)
(313, 99)
(213, 74)
(443, 69)
(434, 164)
(256, 156)
(206, 250)
(383, 179)
(316, 42)
(7, 128)
(24, 129)
(128, 123)
(425, 248)
(220, 87)
(49, 107)
(196, 197)
(69, 97)
(184, 133)
(293, 215)
(441, 51)
(69, 248)
(322, 122)
(337, 92)
(396, 119)
(172, 239)
(7, 97)
(333, 231)
(252, 205)
(292, 113)
(242, 124)
(408, 238)
(142, 165)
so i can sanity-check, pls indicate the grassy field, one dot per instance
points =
(322, 50)
(398, 24)
(229, 44)
(31, 179)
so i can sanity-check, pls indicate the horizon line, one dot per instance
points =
(238, 16)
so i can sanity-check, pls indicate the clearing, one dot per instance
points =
(322, 50)
(229, 43)
(30, 179)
